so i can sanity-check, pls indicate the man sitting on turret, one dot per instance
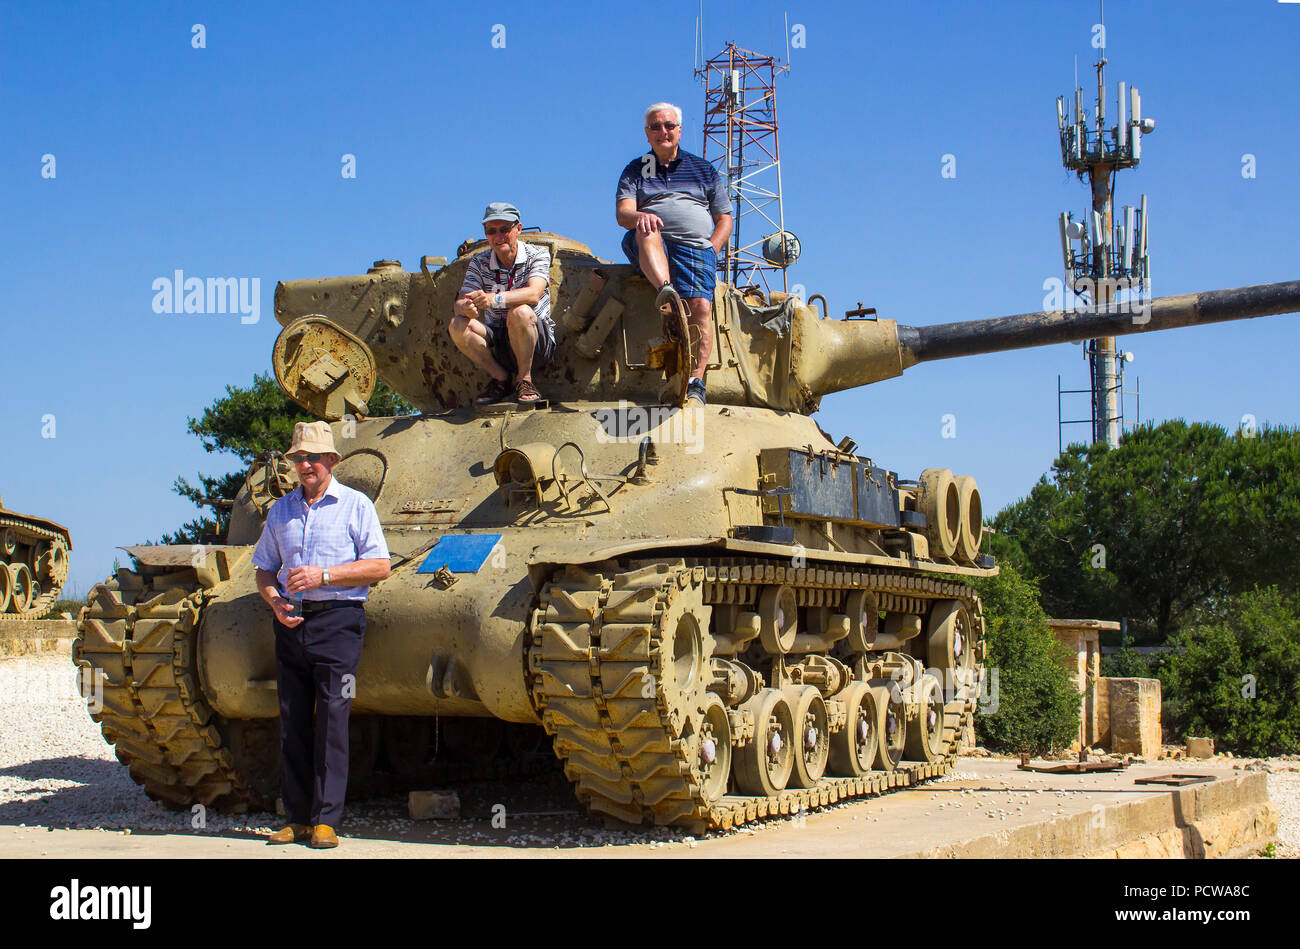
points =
(503, 314)
(677, 213)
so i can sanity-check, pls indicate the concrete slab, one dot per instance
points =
(986, 808)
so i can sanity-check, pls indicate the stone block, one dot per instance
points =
(434, 805)
(1200, 747)
(1134, 718)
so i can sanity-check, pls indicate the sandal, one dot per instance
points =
(527, 392)
(496, 390)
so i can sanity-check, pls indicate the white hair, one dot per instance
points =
(663, 107)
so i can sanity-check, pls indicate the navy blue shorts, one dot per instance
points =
(498, 341)
(692, 270)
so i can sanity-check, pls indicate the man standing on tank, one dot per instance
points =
(677, 212)
(321, 548)
(502, 317)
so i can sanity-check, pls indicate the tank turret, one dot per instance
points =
(611, 344)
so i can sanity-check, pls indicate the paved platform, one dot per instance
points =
(985, 808)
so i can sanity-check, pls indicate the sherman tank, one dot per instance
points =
(715, 613)
(33, 564)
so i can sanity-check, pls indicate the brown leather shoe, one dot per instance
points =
(291, 834)
(323, 836)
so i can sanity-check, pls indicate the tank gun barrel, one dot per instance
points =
(969, 338)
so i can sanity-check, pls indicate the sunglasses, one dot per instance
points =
(312, 456)
(494, 231)
(665, 126)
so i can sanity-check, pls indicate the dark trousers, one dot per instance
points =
(311, 662)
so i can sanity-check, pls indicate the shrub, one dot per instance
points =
(1235, 675)
(1037, 705)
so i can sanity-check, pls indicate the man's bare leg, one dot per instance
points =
(521, 324)
(701, 313)
(470, 337)
(652, 258)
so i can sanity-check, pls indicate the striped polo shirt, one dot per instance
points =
(486, 273)
(687, 193)
(342, 526)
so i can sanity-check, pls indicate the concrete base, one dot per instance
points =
(1230, 816)
(33, 637)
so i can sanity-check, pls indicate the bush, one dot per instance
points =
(1128, 663)
(1037, 706)
(1235, 676)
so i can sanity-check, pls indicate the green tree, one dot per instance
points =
(247, 423)
(1037, 707)
(1177, 516)
(1234, 674)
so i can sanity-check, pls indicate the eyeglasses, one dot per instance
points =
(494, 231)
(312, 456)
(665, 126)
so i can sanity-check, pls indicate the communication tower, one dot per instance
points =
(740, 139)
(1106, 261)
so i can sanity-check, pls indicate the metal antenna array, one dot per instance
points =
(740, 139)
(1104, 256)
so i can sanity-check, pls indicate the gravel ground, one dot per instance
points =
(57, 771)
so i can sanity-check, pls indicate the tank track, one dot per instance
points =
(138, 644)
(598, 650)
(135, 636)
(42, 604)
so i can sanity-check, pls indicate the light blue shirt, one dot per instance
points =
(341, 527)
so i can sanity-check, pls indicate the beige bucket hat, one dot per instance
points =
(313, 437)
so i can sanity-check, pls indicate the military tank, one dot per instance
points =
(716, 613)
(33, 564)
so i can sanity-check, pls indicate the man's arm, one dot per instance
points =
(721, 232)
(628, 216)
(470, 290)
(270, 592)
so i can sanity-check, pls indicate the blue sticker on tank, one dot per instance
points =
(460, 553)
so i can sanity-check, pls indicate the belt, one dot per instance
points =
(317, 606)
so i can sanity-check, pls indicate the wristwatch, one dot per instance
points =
(325, 577)
(499, 301)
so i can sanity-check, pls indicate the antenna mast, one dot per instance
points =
(740, 139)
(1110, 256)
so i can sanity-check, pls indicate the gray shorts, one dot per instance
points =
(498, 341)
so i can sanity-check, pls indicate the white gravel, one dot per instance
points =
(56, 769)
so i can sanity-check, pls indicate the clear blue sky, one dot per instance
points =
(225, 161)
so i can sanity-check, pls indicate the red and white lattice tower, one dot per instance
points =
(740, 139)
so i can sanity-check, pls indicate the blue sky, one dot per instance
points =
(225, 161)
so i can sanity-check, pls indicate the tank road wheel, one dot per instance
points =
(891, 725)
(940, 502)
(21, 585)
(950, 645)
(6, 586)
(8, 542)
(714, 756)
(778, 613)
(853, 748)
(811, 736)
(763, 766)
(925, 741)
(971, 513)
(620, 678)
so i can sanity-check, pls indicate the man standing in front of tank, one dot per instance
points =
(320, 550)
(677, 213)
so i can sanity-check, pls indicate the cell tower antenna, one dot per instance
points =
(1105, 256)
(740, 139)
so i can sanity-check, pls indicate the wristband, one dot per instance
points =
(325, 577)
(499, 301)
